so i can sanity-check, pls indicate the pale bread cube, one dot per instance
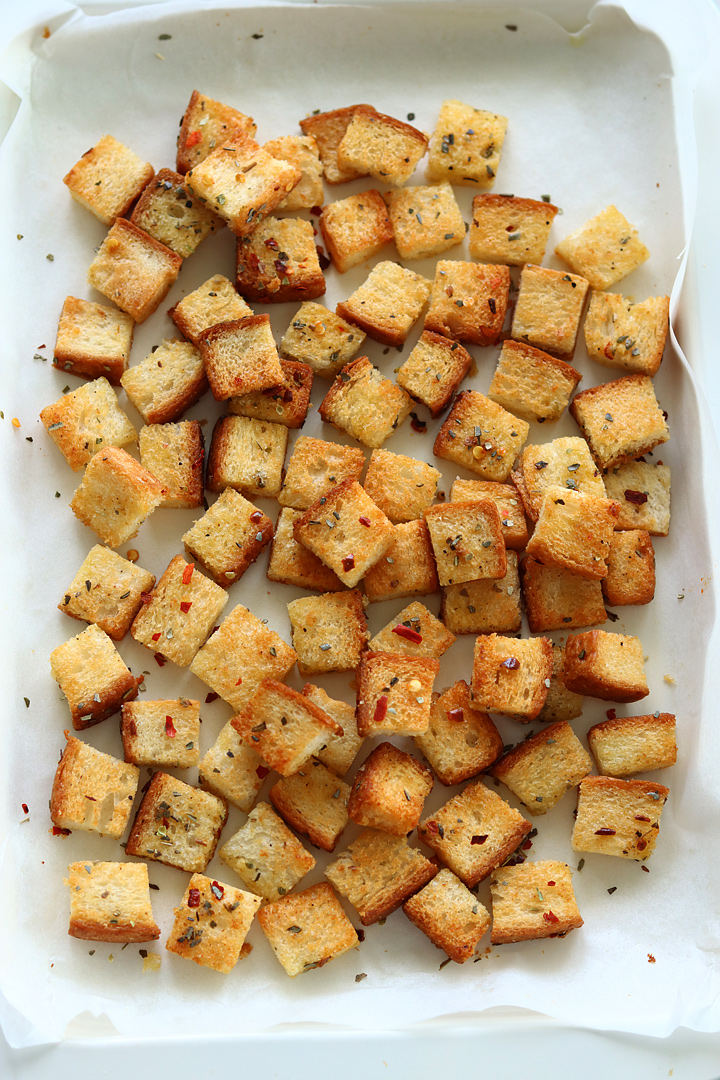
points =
(292, 564)
(618, 817)
(110, 901)
(564, 462)
(314, 802)
(205, 125)
(406, 569)
(177, 824)
(356, 228)
(213, 302)
(329, 632)
(240, 356)
(211, 924)
(303, 152)
(623, 334)
(466, 145)
(633, 744)
(228, 538)
(381, 146)
(460, 741)
(468, 302)
(434, 370)
(92, 340)
(389, 791)
(548, 310)
(363, 404)
(505, 497)
(541, 769)
(307, 929)
(511, 676)
(174, 454)
(167, 382)
(509, 230)
(108, 179)
(278, 262)
(92, 791)
(247, 455)
(328, 129)
(388, 302)
(573, 532)
(631, 569)
(93, 677)
(467, 541)
(133, 270)
(621, 420)
(378, 872)
(485, 606)
(232, 770)
(164, 733)
(413, 632)
(606, 666)
(643, 492)
(402, 487)
(395, 693)
(450, 915)
(266, 855)
(558, 599)
(532, 900)
(167, 211)
(315, 467)
(605, 249)
(321, 339)
(287, 403)
(339, 751)
(285, 727)
(531, 383)
(107, 590)
(425, 220)
(86, 421)
(481, 436)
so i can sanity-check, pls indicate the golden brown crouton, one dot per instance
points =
(110, 901)
(400, 486)
(395, 693)
(278, 261)
(406, 569)
(619, 333)
(107, 590)
(213, 302)
(315, 467)
(356, 228)
(329, 632)
(266, 855)
(481, 436)
(618, 817)
(565, 462)
(228, 538)
(509, 230)
(561, 703)
(92, 340)
(177, 824)
(174, 454)
(314, 802)
(205, 125)
(163, 733)
(531, 383)
(285, 727)
(92, 791)
(485, 606)
(328, 129)
(321, 339)
(511, 676)
(426, 220)
(434, 370)
(643, 491)
(365, 405)
(389, 791)
(450, 915)
(287, 403)
(460, 741)
(413, 632)
(557, 599)
(387, 304)
(93, 677)
(340, 750)
(540, 770)
(87, 420)
(301, 151)
(573, 532)
(292, 564)
(247, 455)
(533, 900)
(211, 924)
(381, 146)
(232, 770)
(167, 382)
(133, 270)
(607, 666)
(468, 301)
(505, 497)
(548, 310)
(378, 872)
(115, 497)
(240, 356)
(604, 250)
(467, 541)
(631, 569)
(308, 929)
(466, 145)
(621, 420)
(167, 211)
(108, 179)
(633, 744)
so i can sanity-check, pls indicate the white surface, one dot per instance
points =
(422, 1039)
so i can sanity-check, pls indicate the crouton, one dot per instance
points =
(604, 250)
(292, 564)
(110, 901)
(177, 824)
(133, 270)
(532, 900)
(381, 146)
(434, 370)
(406, 569)
(450, 915)
(460, 741)
(86, 421)
(510, 509)
(474, 833)
(540, 770)
(174, 454)
(389, 791)
(329, 632)
(621, 420)
(623, 334)
(618, 817)
(115, 497)
(167, 382)
(287, 403)
(247, 455)
(561, 703)
(481, 436)
(606, 666)
(485, 606)
(107, 590)
(215, 301)
(378, 872)
(240, 356)
(387, 304)
(425, 220)
(228, 538)
(565, 462)
(278, 261)
(467, 541)
(93, 677)
(211, 924)
(548, 310)
(468, 302)
(466, 145)
(531, 383)
(363, 404)
(321, 339)
(340, 750)
(400, 486)
(328, 129)
(509, 230)
(314, 801)
(573, 531)
(558, 599)
(108, 179)
(232, 770)
(631, 569)
(634, 744)
(643, 492)
(205, 125)
(511, 676)
(178, 615)
(307, 929)
(163, 733)
(303, 152)
(92, 340)
(266, 855)
(356, 228)
(413, 632)
(315, 467)
(92, 791)
(167, 211)
(395, 693)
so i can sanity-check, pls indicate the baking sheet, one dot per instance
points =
(564, 96)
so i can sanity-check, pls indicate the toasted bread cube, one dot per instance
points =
(531, 383)
(413, 632)
(355, 229)
(340, 750)
(623, 334)
(481, 436)
(510, 508)
(466, 145)
(292, 564)
(574, 531)
(228, 538)
(606, 666)
(460, 741)
(163, 733)
(605, 249)
(315, 467)
(92, 340)
(167, 382)
(240, 356)
(618, 817)
(643, 491)
(239, 655)
(450, 915)
(86, 421)
(278, 261)
(329, 632)
(110, 901)
(485, 606)
(633, 744)
(133, 270)
(232, 770)
(474, 833)
(509, 230)
(426, 220)
(266, 855)
(548, 310)
(467, 541)
(468, 302)
(532, 900)
(563, 462)
(93, 677)
(241, 182)
(395, 693)
(631, 569)
(314, 801)
(346, 530)
(247, 455)
(378, 872)
(178, 615)
(215, 301)
(287, 403)
(321, 339)
(205, 125)
(115, 497)
(303, 152)
(402, 487)
(92, 791)
(434, 370)
(177, 824)
(308, 929)
(211, 924)
(108, 179)
(561, 703)
(540, 770)
(107, 590)
(381, 146)
(621, 420)
(406, 569)
(511, 676)
(363, 404)
(557, 599)
(167, 211)
(174, 454)
(284, 727)
(328, 129)
(388, 302)
(389, 791)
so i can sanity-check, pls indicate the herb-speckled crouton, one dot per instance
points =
(450, 915)
(247, 455)
(163, 733)
(406, 569)
(541, 769)
(213, 302)
(321, 339)
(434, 370)
(364, 404)
(509, 230)
(388, 302)
(329, 632)
(355, 229)
(240, 356)
(278, 261)
(211, 924)
(481, 436)
(485, 606)
(315, 467)
(107, 590)
(573, 532)
(413, 632)
(558, 599)
(466, 145)
(92, 340)
(174, 454)
(531, 383)
(565, 462)
(631, 569)
(618, 817)
(108, 179)
(93, 677)
(339, 751)
(167, 382)
(426, 220)
(115, 497)
(86, 421)
(643, 492)
(623, 334)
(92, 791)
(400, 486)
(205, 125)
(548, 310)
(533, 900)
(381, 146)
(314, 802)
(303, 152)
(167, 211)
(292, 564)
(604, 250)
(232, 770)
(228, 538)
(633, 744)
(177, 824)
(621, 420)
(511, 676)
(468, 302)
(505, 497)
(133, 270)
(287, 403)
(266, 855)
(460, 741)
(389, 791)
(604, 665)
(395, 693)
(110, 901)
(307, 929)
(328, 129)
(467, 541)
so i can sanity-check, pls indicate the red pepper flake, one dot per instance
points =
(365, 521)
(57, 831)
(262, 771)
(322, 258)
(170, 727)
(188, 573)
(217, 890)
(348, 562)
(160, 659)
(146, 597)
(651, 958)
(156, 637)
(25, 808)
(316, 210)
(381, 709)
(479, 839)
(551, 882)
(549, 916)
(256, 515)
(133, 728)
(239, 682)
(418, 425)
(604, 832)
(641, 845)
(512, 663)
(637, 497)
(194, 898)
(212, 696)
(611, 714)
(527, 845)
(193, 139)
(185, 606)
(456, 714)
(272, 243)
(608, 350)
(406, 632)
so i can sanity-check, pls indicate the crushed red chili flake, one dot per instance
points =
(456, 714)
(185, 606)
(272, 243)
(58, 831)
(348, 562)
(194, 898)
(322, 258)
(551, 882)
(193, 139)
(239, 682)
(146, 597)
(611, 714)
(651, 958)
(133, 728)
(365, 521)
(212, 696)
(160, 659)
(381, 709)
(262, 771)
(641, 817)
(641, 845)
(187, 573)
(637, 497)
(527, 845)
(256, 515)
(604, 832)
(217, 890)
(170, 727)
(156, 637)
(316, 210)
(478, 839)
(360, 933)
(512, 663)
(406, 632)
(25, 808)
(549, 916)
(418, 425)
